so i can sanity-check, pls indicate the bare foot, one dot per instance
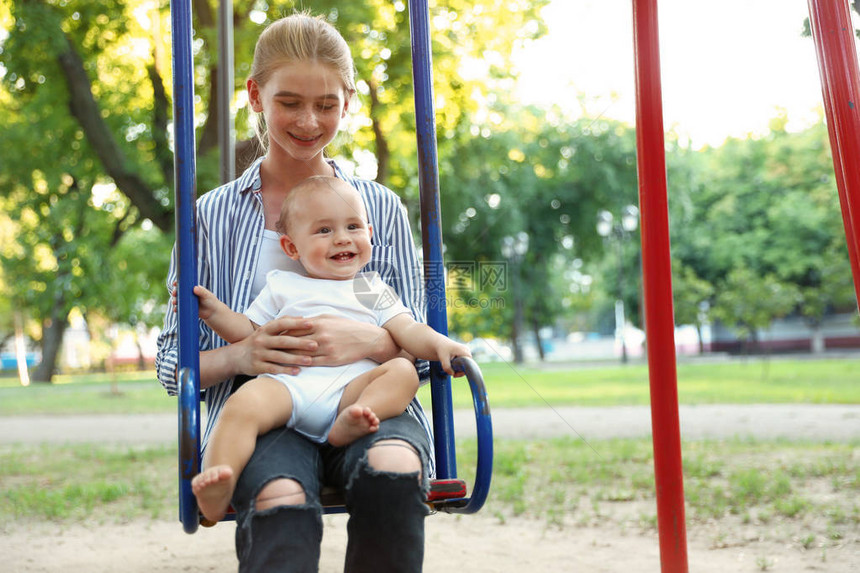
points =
(352, 423)
(213, 488)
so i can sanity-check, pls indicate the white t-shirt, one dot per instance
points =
(316, 390)
(272, 257)
(366, 298)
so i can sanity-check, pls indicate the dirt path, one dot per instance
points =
(473, 544)
(814, 422)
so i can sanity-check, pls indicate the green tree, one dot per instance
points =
(85, 108)
(770, 205)
(748, 302)
(79, 120)
(691, 298)
(538, 172)
(7, 309)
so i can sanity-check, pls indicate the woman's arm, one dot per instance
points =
(270, 349)
(344, 341)
(167, 357)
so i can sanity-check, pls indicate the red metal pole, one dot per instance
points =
(657, 287)
(833, 33)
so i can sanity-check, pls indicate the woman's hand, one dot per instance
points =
(344, 341)
(271, 349)
(277, 348)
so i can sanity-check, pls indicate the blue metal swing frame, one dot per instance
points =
(189, 366)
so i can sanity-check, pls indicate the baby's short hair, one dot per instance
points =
(307, 186)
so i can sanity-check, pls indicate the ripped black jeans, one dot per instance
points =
(386, 523)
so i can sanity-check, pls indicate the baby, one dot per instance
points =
(324, 227)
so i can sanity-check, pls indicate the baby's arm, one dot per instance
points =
(230, 325)
(422, 341)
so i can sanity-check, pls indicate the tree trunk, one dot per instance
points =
(20, 350)
(817, 342)
(383, 154)
(515, 343)
(206, 20)
(701, 340)
(85, 110)
(209, 133)
(160, 119)
(110, 367)
(141, 362)
(52, 338)
(538, 341)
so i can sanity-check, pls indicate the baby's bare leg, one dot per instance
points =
(379, 394)
(260, 405)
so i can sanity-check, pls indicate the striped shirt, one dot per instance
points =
(230, 224)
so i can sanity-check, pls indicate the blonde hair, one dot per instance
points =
(300, 37)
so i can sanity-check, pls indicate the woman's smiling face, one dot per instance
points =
(303, 103)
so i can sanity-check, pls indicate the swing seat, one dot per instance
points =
(441, 490)
(443, 493)
(446, 494)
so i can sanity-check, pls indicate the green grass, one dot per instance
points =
(755, 380)
(128, 393)
(86, 379)
(560, 482)
(755, 482)
(85, 482)
(775, 380)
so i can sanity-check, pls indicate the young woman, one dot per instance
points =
(301, 84)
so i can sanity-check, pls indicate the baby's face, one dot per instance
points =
(330, 233)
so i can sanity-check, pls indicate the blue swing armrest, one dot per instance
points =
(484, 428)
(189, 448)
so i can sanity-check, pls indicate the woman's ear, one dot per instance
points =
(254, 95)
(349, 95)
(289, 247)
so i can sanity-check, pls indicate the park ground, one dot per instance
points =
(613, 538)
(476, 544)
